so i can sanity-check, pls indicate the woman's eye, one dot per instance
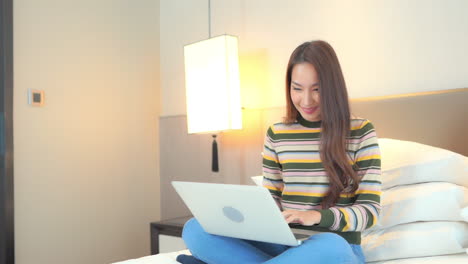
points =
(316, 90)
(296, 89)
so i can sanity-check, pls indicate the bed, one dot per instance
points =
(438, 122)
(170, 258)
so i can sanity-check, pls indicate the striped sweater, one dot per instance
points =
(294, 174)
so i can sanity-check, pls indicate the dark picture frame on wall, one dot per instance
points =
(7, 249)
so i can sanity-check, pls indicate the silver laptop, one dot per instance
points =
(240, 211)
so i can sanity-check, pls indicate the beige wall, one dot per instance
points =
(385, 47)
(87, 163)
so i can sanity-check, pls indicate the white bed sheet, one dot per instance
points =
(163, 258)
(170, 258)
(447, 259)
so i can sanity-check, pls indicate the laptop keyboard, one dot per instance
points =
(301, 237)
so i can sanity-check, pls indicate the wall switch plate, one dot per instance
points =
(35, 97)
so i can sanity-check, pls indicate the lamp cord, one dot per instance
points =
(209, 18)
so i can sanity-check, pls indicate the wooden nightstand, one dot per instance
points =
(171, 227)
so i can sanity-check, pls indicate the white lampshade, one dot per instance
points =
(212, 85)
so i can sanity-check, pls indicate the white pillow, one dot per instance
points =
(407, 162)
(434, 201)
(419, 239)
(258, 180)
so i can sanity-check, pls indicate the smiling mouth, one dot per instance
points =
(309, 110)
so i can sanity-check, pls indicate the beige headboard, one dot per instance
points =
(433, 118)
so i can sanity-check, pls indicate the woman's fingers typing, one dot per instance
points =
(307, 218)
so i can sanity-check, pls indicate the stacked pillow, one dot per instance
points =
(424, 203)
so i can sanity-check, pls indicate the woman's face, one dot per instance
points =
(305, 91)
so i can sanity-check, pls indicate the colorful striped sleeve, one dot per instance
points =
(365, 210)
(272, 171)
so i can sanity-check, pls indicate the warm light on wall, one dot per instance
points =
(212, 85)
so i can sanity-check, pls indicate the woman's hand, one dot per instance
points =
(306, 218)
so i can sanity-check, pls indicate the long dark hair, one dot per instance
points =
(335, 115)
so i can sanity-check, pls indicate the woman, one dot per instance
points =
(321, 166)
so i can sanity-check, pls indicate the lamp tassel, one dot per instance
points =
(214, 161)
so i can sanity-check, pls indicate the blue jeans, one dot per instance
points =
(320, 248)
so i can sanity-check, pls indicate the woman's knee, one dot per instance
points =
(330, 237)
(192, 230)
(330, 243)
